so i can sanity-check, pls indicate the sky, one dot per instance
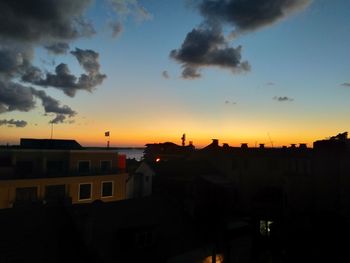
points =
(274, 72)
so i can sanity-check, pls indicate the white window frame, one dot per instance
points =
(109, 196)
(84, 161)
(91, 184)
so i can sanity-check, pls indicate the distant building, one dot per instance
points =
(45, 172)
(167, 151)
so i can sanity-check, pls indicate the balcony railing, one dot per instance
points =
(22, 174)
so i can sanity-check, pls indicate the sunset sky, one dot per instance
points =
(149, 71)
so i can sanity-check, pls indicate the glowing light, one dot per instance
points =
(158, 160)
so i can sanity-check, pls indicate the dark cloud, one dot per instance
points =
(165, 74)
(41, 20)
(14, 60)
(13, 123)
(207, 47)
(345, 84)
(282, 99)
(14, 96)
(246, 15)
(25, 25)
(270, 83)
(52, 105)
(63, 79)
(58, 119)
(190, 72)
(58, 48)
(88, 59)
(117, 28)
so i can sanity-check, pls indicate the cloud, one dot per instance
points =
(125, 8)
(58, 48)
(52, 105)
(88, 59)
(63, 79)
(165, 74)
(58, 119)
(14, 96)
(249, 15)
(42, 20)
(204, 47)
(51, 24)
(345, 84)
(227, 102)
(117, 28)
(190, 72)
(282, 99)
(270, 83)
(13, 123)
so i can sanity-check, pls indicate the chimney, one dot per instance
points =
(302, 146)
(261, 146)
(225, 145)
(292, 145)
(215, 142)
(244, 145)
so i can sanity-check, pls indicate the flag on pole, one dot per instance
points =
(107, 134)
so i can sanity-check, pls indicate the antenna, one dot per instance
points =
(268, 134)
(51, 130)
(183, 139)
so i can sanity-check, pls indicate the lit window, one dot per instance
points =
(265, 227)
(107, 189)
(85, 191)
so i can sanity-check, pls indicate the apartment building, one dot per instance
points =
(59, 171)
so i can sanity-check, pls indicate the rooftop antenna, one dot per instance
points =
(268, 134)
(51, 130)
(183, 139)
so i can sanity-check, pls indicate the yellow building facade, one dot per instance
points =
(43, 176)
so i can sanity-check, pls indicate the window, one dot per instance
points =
(5, 161)
(54, 167)
(144, 239)
(85, 191)
(84, 166)
(55, 192)
(107, 189)
(106, 166)
(24, 167)
(265, 227)
(27, 194)
(234, 164)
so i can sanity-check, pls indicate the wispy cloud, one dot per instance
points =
(345, 84)
(165, 74)
(282, 99)
(13, 123)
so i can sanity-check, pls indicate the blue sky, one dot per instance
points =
(304, 57)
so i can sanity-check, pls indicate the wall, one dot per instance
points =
(8, 187)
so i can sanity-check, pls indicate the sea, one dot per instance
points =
(132, 153)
